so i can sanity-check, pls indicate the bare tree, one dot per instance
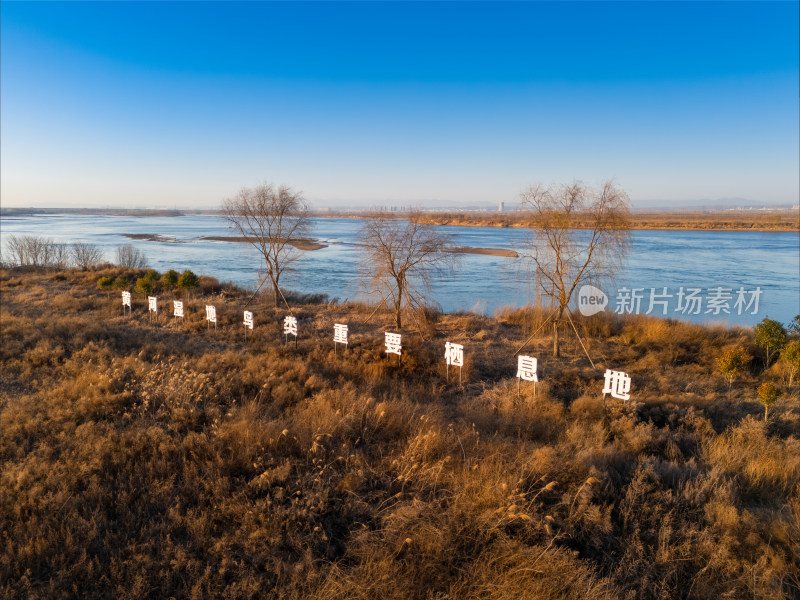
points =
(400, 257)
(35, 251)
(59, 256)
(15, 246)
(581, 234)
(270, 219)
(86, 255)
(131, 257)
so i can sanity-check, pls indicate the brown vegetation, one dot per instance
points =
(141, 459)
(708, 220)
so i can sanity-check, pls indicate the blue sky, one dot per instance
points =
(424, 104)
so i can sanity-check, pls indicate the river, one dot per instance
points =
(739, 262)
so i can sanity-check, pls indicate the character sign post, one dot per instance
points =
(126, 301)
(152, 307)
(248, 323)
(393, 342)
(177, 310)
(339, 335)
(290, 328)
(211, 316)
(618, 384)
(454, 355)
(526, 369)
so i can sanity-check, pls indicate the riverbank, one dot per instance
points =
(148, 457)
(778, 220)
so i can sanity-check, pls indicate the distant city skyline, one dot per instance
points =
(179, 105)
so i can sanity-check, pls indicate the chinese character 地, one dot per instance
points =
(618, 384)
(178, 308)
(339, 334)
(152, 304)
(126, 299)
(526, 368)
(211, 313)
(290, 326)
(392, 341)
(454, 354)
(248, 320)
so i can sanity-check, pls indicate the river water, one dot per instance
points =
(741, 263)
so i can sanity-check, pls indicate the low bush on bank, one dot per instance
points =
(140, 457)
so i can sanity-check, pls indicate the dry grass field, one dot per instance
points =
(144, 460)
(706, 220)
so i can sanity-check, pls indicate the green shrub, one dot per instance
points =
(188, 280)
(790, 359)
(767, 394)
(771, 337)
(144, 286)
(731, 362)
(794, 327)
(105, 283)
(169, 279)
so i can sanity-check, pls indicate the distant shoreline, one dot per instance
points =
(783, 220)
(743, 220)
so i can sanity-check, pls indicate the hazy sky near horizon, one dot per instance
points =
(159, 104)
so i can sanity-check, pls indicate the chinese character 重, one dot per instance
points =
(339, 334)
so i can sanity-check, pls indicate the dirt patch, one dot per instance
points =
(299, 243)
(153, 237)
(489, 251)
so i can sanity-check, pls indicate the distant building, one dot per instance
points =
(501, 207)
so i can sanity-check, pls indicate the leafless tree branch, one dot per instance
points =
(401, 256)
(562, 257)
(270, 218)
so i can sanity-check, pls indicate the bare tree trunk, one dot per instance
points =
(397, 314)
(398, 303)
(555, 339)
(277, 292)
(766, 408)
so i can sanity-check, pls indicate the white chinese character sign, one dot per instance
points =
(126, 301)
(618, 384)
(339, 335)
(454, 355)
(248, 322)
(393, 343)
(211, 315)
(177, 310)
(152, 307)
(290, 328)
(526, 369)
